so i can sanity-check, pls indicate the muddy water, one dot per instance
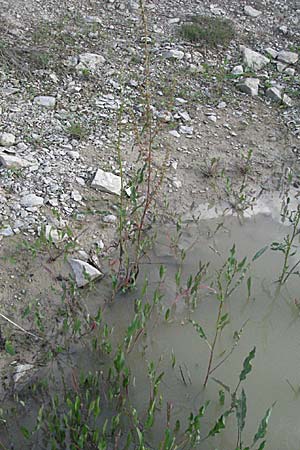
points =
(272, 325)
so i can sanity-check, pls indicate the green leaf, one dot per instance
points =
(219, 426)
(241, 411)
(162, 271)
(247, 366)
(262, 445)
(249, 283)
(262, 429)
(26, 433)
(199, 329)
(9, 348)
(260, 253)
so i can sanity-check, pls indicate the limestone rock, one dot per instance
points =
(21, 371)
(287, 57)
(252, 12)
(173, 54)
(45, 101)
(274, 93)
(183, 129)
(107, 182)
(11, 161)
(84, 273)
(238, 70)
(249, 86)
(90, 61)
(31, 200)
(271, 52)
(286, 100)
(254, 60)
(6, 231)
(7, 139)
(110, 218)
(290, 71)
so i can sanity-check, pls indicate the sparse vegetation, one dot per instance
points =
(208, 31)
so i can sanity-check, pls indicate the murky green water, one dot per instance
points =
(271, 322)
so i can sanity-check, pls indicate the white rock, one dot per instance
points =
(177, 183)
(7, 139)
(21, 370)
(173, 54)
(252, 12)
(90, 61)
(280, 66)
(174, 20)
(10, 161)
(254, 60)
(274, 94)
(45, 101)
(185, 116)
(50, 233)
(271, 52)
(286, 100)
(238, 70)
(287, 57)
(110, 218)
(174, 133)
(107, 182)
(212, 118)
(76, 196)
(290, 71)
(222, 105)
(31, 200)
(249, 86)
(84, 272)
(283, 29)
(186, 130)
(6, 231)
(93, 19)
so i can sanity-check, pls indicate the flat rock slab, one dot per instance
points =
(45, 101)
(31, 200)
(84, 273)
(11, 161)
(253, 60)
(287, 57)
(107, 182)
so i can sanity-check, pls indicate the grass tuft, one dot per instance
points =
(208, 31)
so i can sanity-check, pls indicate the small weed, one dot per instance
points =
(77, 131)
(208, 31)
